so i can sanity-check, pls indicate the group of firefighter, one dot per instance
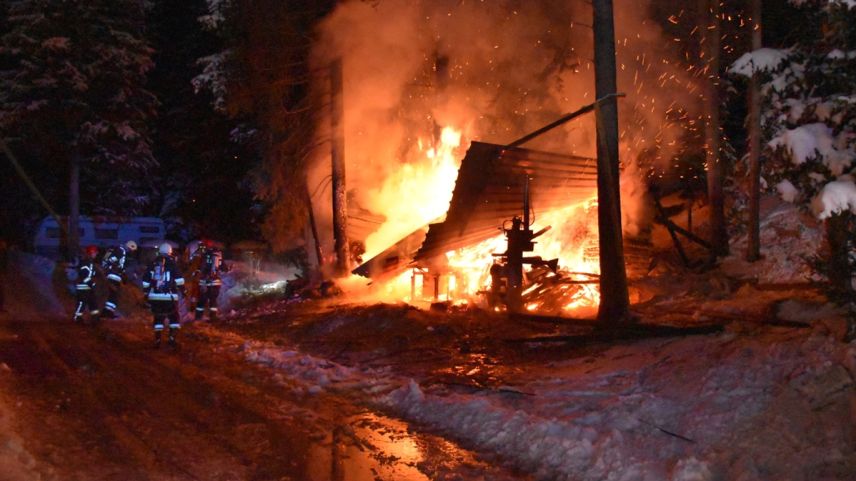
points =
(162, 282)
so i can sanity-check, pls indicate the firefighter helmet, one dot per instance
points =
(131, 246)
(165, 249)
(91, 251)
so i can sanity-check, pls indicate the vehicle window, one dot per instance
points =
(106, 233)
(53, 232)
(150, 229)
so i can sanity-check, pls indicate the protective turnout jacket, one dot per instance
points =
(162, 280)
(86, 275)
(211, 267)
(114, 263)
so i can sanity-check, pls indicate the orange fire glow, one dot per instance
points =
(417, 192)
(429, 185)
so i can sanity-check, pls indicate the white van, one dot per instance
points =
(100, 231)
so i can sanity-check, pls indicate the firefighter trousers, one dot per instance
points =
(165, 310)
(207, 298)
(86, 302)
(110, 306)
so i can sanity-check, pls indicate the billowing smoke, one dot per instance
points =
(491, 71)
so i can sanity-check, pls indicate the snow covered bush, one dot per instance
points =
(809, 114)
(809, 123)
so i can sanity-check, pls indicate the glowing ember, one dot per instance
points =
(570, 239)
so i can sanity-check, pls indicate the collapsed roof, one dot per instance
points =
(488, 191)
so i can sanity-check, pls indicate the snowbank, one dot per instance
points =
(243, 282)
(761, 60)
(34, 288)
(835, 197)
(789, 239)
(768, 407)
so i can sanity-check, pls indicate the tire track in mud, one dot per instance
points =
(135, 401)
(100, 403)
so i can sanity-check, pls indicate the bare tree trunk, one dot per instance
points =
(719, 234)
(753, 251)
(614, 300)
(73, 238)
(841, 242)
(340, 201)
(314, 227)
(840, 270)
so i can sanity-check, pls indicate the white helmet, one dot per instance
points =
(165, 249)
(131, 245)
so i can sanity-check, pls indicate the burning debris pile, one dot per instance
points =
(478, 249)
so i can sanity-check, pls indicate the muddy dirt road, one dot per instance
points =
(99, 403)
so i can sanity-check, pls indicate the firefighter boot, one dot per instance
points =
(172, 342)
(157, 339)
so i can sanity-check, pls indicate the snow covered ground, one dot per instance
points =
(763, 400)
(774, 405)
(772, 397)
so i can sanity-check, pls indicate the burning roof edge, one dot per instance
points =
(489, 190)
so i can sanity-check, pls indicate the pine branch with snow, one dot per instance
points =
(73, 84)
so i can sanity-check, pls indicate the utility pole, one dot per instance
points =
(753, 250)
(614, 300)
(715, 173)
(337, 154)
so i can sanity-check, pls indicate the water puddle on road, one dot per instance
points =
(368, 447)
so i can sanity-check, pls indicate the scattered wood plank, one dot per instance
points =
(666, 431)
(619, 333)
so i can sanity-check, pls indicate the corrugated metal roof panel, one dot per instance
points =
(488, 191)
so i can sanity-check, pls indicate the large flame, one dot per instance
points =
(417, 192)
(420, 193)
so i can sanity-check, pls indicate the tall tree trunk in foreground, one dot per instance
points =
(614, 300)
(841, 239)
(753, 250)
(838, 233)
(337, 141)
(715, 171)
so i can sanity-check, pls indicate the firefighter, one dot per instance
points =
(162, 283)
(113, 264)
(210, 267)
(85, 287)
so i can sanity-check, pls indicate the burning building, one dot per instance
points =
(423, 80)
(499, 191)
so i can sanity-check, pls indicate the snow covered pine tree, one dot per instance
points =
(71, 93)
(809, 121)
